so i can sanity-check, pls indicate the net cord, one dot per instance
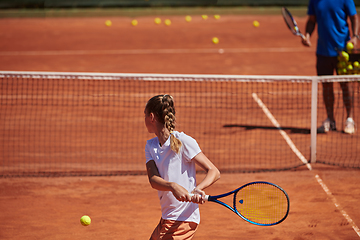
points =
(177, 77)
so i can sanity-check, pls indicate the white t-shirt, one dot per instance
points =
(177, 168)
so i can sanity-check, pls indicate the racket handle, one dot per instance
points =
(302, 36)
(206, 196)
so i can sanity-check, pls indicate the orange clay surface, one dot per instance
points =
(125, 207)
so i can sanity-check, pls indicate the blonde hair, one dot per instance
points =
(162, 106)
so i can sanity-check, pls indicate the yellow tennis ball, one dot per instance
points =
(339, 71)
(215, 40)
(108, 23)
(134, 22)
(167, 22)
(345, 55)
(188, 18)
(85, 220)
(204, 17)
(256, 23)
(349, 46)
(157, 20)
(356, 64)
(217, 17)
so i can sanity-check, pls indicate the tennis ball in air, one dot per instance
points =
(349, 46)
(204, 17)
(188, 18)
(157, 20)
(215, 40)
(134, 22)
(167, 22)
(256, 23)
(85, 220)
(217, 17)
(108, 23)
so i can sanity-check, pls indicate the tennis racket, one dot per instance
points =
(259, 203)
(291, 23)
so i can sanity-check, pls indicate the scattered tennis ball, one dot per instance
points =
(215, 40)
(167, 22)
(188, 18)
(217, 17)
(256, 23)
(349, 46)
(356, 64)
(108, 23)
(350, 67)
(204, 17)
(134, 22)
(157, 20)
(85, 220)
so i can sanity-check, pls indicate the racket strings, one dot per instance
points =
(262, 203)
(291, 24)
(290, 21)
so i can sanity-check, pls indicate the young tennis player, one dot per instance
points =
(170, 161)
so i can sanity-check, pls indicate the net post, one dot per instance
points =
(314, 94)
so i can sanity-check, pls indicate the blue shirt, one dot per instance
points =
(333, 29)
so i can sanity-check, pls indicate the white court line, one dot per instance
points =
(149, 51)
(337, 205)
(282, 132)
(303, 159)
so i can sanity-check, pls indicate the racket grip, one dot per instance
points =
(206, 196)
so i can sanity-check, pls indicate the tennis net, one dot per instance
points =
(60, 124)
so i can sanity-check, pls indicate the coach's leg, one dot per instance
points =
(327, 66)
(328, 96)
(347, 98)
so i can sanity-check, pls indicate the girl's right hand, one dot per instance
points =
(198, 196)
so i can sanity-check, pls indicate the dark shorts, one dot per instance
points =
(326, 65)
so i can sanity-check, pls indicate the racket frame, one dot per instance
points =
(285, 12)
(234, 209)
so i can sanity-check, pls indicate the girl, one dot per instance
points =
(170, 161)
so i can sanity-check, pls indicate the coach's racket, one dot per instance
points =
(291, 23)
(260, 203)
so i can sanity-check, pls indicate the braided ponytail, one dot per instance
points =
(170, 119)
(163, 108)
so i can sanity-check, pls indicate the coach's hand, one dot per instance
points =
(306, 41)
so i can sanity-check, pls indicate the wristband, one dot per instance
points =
(357, 36)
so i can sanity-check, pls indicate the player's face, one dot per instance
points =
(149, 121)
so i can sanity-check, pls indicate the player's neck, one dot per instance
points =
(163, 136)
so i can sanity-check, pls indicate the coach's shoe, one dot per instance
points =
(349, 126)
(327, 126)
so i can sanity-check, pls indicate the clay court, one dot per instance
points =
(323, 201)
